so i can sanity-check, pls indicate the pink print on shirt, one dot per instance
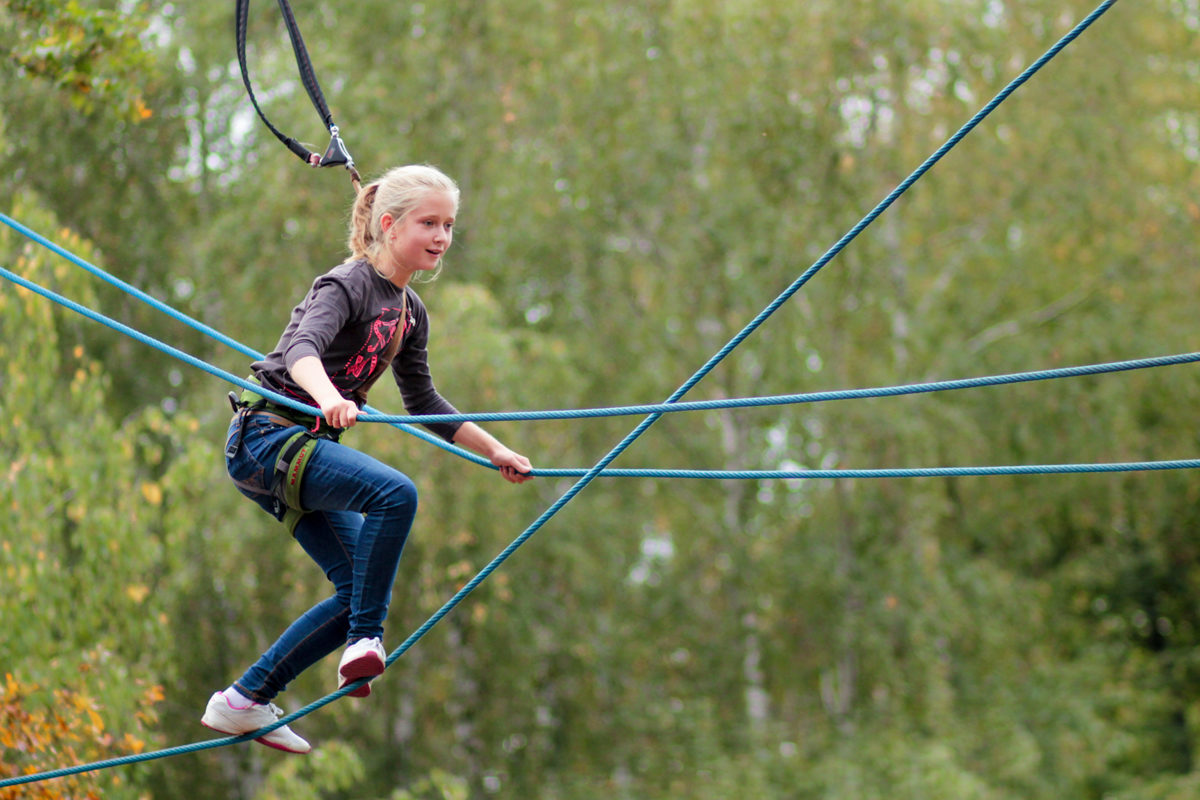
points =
(363, 363)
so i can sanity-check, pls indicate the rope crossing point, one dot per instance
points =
(702, 405)
(621, 446)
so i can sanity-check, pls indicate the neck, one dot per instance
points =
(400, 278)
(392, 273)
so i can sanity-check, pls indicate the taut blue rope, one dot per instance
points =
(664, 408)
(157, 304)
(806, 397)
(621, 446)
(150, 300)
(913, 472)
(405, 421)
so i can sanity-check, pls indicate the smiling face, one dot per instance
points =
(417, 241)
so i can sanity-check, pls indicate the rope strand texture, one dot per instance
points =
(212, 333)
(620, 447)
(701, 405)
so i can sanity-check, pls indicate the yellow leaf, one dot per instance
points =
(152, 492)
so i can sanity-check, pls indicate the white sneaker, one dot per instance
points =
(363, 659)
(224, 718)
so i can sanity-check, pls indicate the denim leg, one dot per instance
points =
(359, 554)
(324, 627)
(339, 478)
(252, 466)
(317, 633)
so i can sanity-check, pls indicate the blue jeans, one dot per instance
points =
(360, 513)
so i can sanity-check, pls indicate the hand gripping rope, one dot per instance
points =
(336, 153)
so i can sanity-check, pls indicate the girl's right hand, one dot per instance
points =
(341, 413)
(337, 410)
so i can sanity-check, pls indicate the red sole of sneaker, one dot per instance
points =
(362, 691)
(260, 740)
(366, 667)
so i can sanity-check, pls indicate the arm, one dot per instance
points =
(310, 374)
(513, 466)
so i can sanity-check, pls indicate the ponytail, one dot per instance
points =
(362, 237)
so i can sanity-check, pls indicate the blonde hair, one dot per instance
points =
(397, 193)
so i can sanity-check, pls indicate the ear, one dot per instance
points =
(386, 221)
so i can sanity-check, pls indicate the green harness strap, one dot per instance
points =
(293, 459)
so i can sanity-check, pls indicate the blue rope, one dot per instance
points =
(400, 420)
(664, 408)
(612, 454)
(807, 397)
(918, 472)
(131, 332)
(126, 287)
(215, 334)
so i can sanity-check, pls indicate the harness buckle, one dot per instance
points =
(336, 153)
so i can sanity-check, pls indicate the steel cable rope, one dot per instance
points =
(402, 421)
(622, 445)
(710, 474)
(207, 330)
(798, 474)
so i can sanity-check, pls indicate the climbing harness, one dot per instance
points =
(336, 153)
(289, 472)
(294, 455)
(297, 450)
(255, 402)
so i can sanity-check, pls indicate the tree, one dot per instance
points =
(79, 546)
(638, 183)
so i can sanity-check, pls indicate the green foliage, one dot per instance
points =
(331, 771)
(92, 56)
(438, 785)
(78, 543)
(639, 181)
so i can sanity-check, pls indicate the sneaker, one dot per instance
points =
(363, 659)
(224, 718)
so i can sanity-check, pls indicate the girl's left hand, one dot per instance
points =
(513, 466)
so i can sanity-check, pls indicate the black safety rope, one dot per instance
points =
(336, 153)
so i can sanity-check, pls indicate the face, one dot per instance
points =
(417, 242)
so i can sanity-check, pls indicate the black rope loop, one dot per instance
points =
(336, 154)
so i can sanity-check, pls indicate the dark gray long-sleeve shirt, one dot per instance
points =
(347, 320)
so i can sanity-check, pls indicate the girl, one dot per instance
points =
(350, 512)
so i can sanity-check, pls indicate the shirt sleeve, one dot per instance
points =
(411, 370)
(326, 310)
